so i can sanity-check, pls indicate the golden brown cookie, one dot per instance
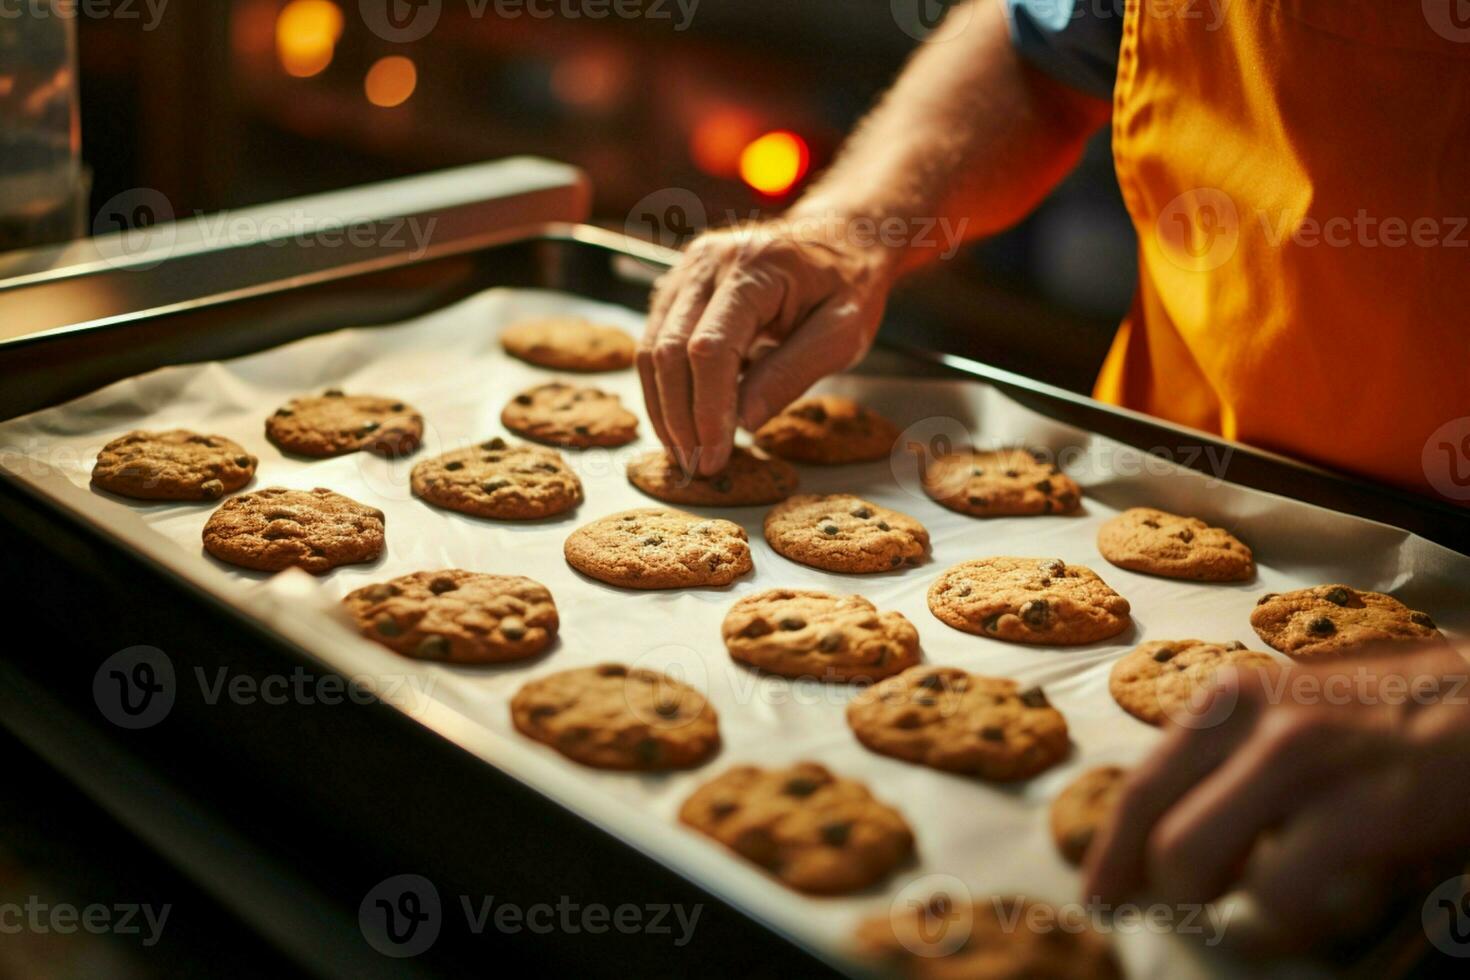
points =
(843, 533)
(659, 548)
(827, 429)
(814, 831)
(999, 938)
(172, 465)
(1155, 681)
(747, 480)
(568, 343)
(1079, 811)
(1001, 483)
(563, 414)
(1331, 620)
(499, 480)
(1028, 600)
(803, 633)
(614, 717)
(457, 616)
(1143, 539)
(276, 528)
(947, 719)
(336, 423)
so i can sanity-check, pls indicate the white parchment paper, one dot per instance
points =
(449, 364)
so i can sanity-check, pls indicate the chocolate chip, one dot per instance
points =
(800, 786)
(814, 413)
(647, 751)
(895, 561)
(512, 629)
(722, 484)
(666, 709)
(932, 682)
(757, 628)
(1044, 486)
(1185, 535)
(1012, 473)
(962, 591)
(723, 808)
(284, 413)
(1265, 598)
(862, 513)
(433, 648)
(976, 471)
(991, 623)
(581, 430)
(977, 501)
(212, 488)
(883, 526)
(612, 670)
(836, 834)
(397, 407)
(523, 399)
(907, 720)
(379, 592)
(1338, 596)
(1036, 613)
(490, 486)
(1034, 697)
(831, 642)
(653, 541)
(387, 625)
(453, 465)
(496, 443)
(1322, 626)
(993, 733)
(1150, 522)
(367, 427)
(1164, 654)
(793, 623)
(244, 462)
(332, 393)
(881, 654)
(1053, 566)
(829, 528)
(443, 584)
(1421, 619)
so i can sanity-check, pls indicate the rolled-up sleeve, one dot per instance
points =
(1074, 41)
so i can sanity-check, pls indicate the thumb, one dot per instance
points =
(825, 343)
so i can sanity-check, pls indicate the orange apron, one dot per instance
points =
(1298, 172)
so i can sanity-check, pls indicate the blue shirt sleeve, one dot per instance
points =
(1074, 41)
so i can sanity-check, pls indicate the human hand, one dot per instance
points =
(1312, 792)
(747, 321)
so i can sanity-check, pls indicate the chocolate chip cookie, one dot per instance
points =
(568, 343)
(747, 480)
(658, 548)
(615, 717)
(998, 938)
(457, 616)
(839, 532)
(827, 429)
(1079, 811)
(1330, 620)
(1001, 483)
(1028, 600)
(1143, 539)
(804, 633)
(172, 465)
(814, 831)
(337, 423)
(562, 414)
(276, 528)
(499, 480)
(1155, 681)
(947, 719)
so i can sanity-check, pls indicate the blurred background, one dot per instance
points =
(223, 103)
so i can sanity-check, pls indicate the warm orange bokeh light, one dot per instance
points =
(595, 79)
(390, 81)
(718, 139)
(306, 36)
(775, 162)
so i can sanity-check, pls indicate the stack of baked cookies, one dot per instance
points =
(812, 829)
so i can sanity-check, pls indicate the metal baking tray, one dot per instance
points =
(291, 813)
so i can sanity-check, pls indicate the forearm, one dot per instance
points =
(969, 136)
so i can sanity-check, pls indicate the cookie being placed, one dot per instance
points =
(172, 465)
(276, 528)
(747, 480)
(1142, 539)
(1079, 811)
(827, 429)
(658, 548)
(999, 938)
(1154, 682)
(335, 423)
(947, 719)
(496, 479)
(615, 717)
(803, 633)
(570, 415)
(1001, 483)
(568, 343)
(457, 616)
(842, 533)
(814, 831)
(1028, 600)
(1330, 620)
